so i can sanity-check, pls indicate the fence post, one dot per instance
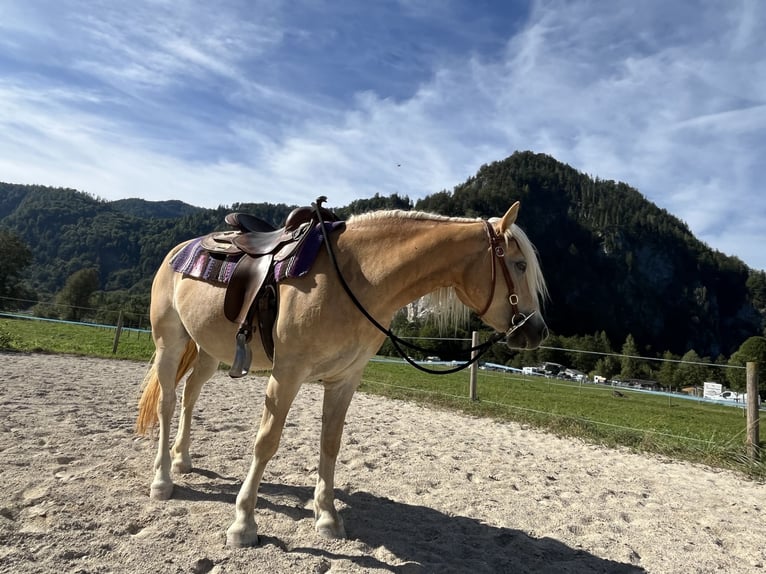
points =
(117, 333)
(753, 438)
(472, 392)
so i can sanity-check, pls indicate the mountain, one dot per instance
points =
(153, 209)
(68, 230)
(614, 261)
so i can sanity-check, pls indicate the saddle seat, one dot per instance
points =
(244, 222)
(256, 237)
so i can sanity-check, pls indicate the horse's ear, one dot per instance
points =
(509, 218)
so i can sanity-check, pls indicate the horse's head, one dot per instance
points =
(518, 286)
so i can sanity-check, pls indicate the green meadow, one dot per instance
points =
(73, 339)
(674, 426)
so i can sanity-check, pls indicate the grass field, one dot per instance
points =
(672, 426)
(59, 337)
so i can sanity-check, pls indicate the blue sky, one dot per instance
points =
(281, 101)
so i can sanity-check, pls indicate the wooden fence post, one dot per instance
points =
(117, 333)
(472, 392)
(753, 438)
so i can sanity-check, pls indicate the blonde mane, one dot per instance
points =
(401, 214)
(443, 305)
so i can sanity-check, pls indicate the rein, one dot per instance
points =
(476, 352)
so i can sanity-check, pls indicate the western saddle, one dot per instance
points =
(251, 292)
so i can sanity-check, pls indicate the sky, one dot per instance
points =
(280, 101)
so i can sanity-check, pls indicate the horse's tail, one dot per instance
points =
(150, 397)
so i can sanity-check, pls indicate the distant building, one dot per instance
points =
(643, 384)
(574, 374)
(532, 370)
(551, 369)
(499, 367)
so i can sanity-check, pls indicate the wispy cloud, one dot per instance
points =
(275, 101)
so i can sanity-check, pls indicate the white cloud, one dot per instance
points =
(179, 100)
(672, 116)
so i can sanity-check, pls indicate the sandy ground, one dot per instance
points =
(419, 490)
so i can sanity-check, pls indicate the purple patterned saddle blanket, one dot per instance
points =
(193, 260)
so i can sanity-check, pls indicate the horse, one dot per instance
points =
(388, 259)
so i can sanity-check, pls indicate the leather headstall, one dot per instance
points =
(497, 247)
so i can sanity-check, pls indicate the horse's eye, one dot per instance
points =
(521, 266)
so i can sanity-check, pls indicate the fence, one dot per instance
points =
(750, 408)
(104, 316)
(476, 383)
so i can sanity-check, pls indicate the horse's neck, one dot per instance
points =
(404, 259)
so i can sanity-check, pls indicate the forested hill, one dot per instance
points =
(125, 240)
(614, 261)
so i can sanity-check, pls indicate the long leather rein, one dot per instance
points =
(498, 252)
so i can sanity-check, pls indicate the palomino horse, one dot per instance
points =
(388, 259)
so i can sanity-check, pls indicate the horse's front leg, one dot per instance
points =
(279, 398)
(204, 368)
(337, 397)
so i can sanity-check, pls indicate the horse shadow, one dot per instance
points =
(422, 538)
(217, 488)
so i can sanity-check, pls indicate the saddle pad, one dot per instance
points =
(194, 261)
(300, 262)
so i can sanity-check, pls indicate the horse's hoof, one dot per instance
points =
(182, 467)
(161, 490)
(242, 535)
(330, 527)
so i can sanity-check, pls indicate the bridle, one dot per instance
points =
(498, 251)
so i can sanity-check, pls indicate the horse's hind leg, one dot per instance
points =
(167, 362)
(204, 368)
(279, 398)
(337, 397)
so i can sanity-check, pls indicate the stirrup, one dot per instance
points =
(243, 356)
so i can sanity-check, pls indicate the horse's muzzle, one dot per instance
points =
(527, 331)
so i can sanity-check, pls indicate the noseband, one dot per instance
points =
(498, 253)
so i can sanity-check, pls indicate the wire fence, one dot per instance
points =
(500, 389)
(716, 432)
(132, 320)
(586, 384)
(724, 428)
(108, 315)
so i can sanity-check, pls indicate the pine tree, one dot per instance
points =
(76, 294)
(629, 365)
(15, 257)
